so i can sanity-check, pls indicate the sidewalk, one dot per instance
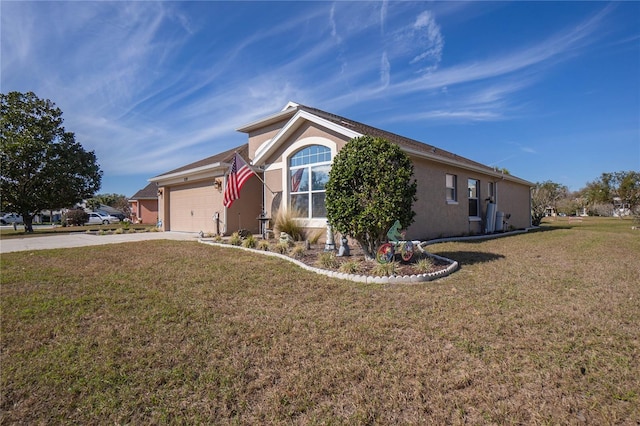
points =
(81, 239)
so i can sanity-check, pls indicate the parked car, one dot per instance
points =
(9, 218)
(120, 216)
(99, 218)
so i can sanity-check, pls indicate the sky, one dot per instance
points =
(547, 90)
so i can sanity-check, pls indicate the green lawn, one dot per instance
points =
(539, 328)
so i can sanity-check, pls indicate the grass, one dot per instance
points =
(540, 328)
(7, 233)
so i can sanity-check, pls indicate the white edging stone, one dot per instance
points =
(396, 279)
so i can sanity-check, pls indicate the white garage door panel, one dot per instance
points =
(191, 208)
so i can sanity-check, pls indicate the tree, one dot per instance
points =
(370, 187)
(117, 201)
(613, 188)
(545, 195)
(570, 203)
(43, 167)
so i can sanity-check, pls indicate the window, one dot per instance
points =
(451, 180)
(474, 189)
(308, 175)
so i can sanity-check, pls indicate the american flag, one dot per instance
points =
(296, 179)
(238, 175)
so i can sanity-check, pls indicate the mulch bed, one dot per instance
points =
(366, 267)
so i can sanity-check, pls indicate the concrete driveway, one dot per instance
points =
(81, 239)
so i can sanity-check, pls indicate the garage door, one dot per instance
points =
(191, 207)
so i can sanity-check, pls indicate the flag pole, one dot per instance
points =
(254, 172)
(263, 182)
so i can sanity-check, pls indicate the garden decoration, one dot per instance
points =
(344, 247)
(330, 244)
(387, 251)
(285, 238)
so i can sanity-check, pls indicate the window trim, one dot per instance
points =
(310, 191)
(454, 199)
(476, 198)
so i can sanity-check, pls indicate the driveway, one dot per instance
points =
(81, 239)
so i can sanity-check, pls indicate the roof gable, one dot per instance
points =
(300, 117)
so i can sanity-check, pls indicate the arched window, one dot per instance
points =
(308, 175)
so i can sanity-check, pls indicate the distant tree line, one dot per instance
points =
(614, 192)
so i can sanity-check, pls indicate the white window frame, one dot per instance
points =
(453, 189)
(310, 191)
(476, 197)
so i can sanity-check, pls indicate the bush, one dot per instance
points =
(235, 239)
(350, 267)
(281, 248)
(286, 222)
(370, 186)
(424, 265)
(77, 217)
(250, 241)
(315, 237)
(263, 245)
(385, 269)
(328, 260)
(298, 252)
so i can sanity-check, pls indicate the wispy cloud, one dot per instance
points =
(427, 31)
(554, 49)
(384, 7)
(385, 70)
(516, 70)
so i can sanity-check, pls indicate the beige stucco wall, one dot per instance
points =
(435, 217)
(514, 198)
(163, 206)
(258, 137)
(244, 212)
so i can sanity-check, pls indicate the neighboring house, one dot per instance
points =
(144, 205)
(292, 151)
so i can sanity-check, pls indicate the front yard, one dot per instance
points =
(535, 328)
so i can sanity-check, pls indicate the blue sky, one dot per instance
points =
(547, 90)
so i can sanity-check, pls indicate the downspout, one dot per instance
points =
(530, 206)
(224, 208)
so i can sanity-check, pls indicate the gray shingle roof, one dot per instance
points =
(402, 141)
(148, 192)
(222, 157)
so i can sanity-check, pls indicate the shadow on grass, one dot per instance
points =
(554, 227)
(470, 257)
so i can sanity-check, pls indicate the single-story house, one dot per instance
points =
(144, 205)
(291, 152)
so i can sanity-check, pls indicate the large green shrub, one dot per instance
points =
(77, 217)
(370, 186)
